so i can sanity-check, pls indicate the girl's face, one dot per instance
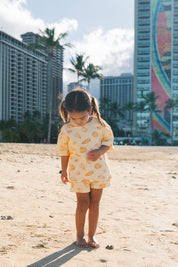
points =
(79, 118)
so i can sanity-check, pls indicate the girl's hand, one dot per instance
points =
(64, 178)
(96, 153)
(93, 155)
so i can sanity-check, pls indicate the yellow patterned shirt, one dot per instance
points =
(76, 141)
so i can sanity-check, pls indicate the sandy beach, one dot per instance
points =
(138, 212)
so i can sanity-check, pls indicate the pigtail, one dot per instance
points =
(95, 110)
(63, 112)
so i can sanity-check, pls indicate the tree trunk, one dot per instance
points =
(151, 127)
(50, 119)
(50, 100)
(88, 86)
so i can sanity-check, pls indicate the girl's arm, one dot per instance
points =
(95, 154)
(64, 164)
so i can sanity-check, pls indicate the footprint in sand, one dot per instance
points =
(39, 246)
(175, 224)
(3, 250)
(10, 187)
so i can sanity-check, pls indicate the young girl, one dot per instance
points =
(82, 143)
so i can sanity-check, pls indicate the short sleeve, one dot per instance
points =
(62, 143)
(107, 138)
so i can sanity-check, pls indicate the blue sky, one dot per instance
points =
(91, 14)
(102, 29)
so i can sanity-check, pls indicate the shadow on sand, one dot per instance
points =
(59, 258)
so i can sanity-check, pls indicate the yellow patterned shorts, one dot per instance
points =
(85, 185)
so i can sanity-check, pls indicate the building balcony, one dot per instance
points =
(143, 8)
(145, 1)
(143, 21)
(175, 125)
(146, 67)
(144, 45)
(144, 16)
(146, 37)
(144, 81)
(13, 96)
(143, 58)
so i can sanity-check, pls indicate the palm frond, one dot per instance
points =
(71, 70)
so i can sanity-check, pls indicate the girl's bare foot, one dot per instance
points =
(81, 242)
(93, 242)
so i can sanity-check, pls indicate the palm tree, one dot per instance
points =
(171, 103)
(160, 138)
(78, 63)
(151, 106)
(104, 106)
(30, 131)
(36, 116)
(9, 131)
(140, 107)
(130, 107)
(109, 111)
(115, 110)
(48, 43)
(91, 72)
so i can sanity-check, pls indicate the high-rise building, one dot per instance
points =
(54, 72)
(156, 62)
(25, 80)
(30, 38)
(119, 89)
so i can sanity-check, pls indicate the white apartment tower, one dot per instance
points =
(24, 78)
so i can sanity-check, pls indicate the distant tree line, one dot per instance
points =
(31, 130)
(34, 130)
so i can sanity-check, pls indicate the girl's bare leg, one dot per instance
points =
(95, 196)
(83, 201)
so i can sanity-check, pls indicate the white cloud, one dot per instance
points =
(66, 25)
(15, 19)
(112, 50)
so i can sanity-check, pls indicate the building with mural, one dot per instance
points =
(156, 63)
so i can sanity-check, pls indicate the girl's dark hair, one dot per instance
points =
(79, 100)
